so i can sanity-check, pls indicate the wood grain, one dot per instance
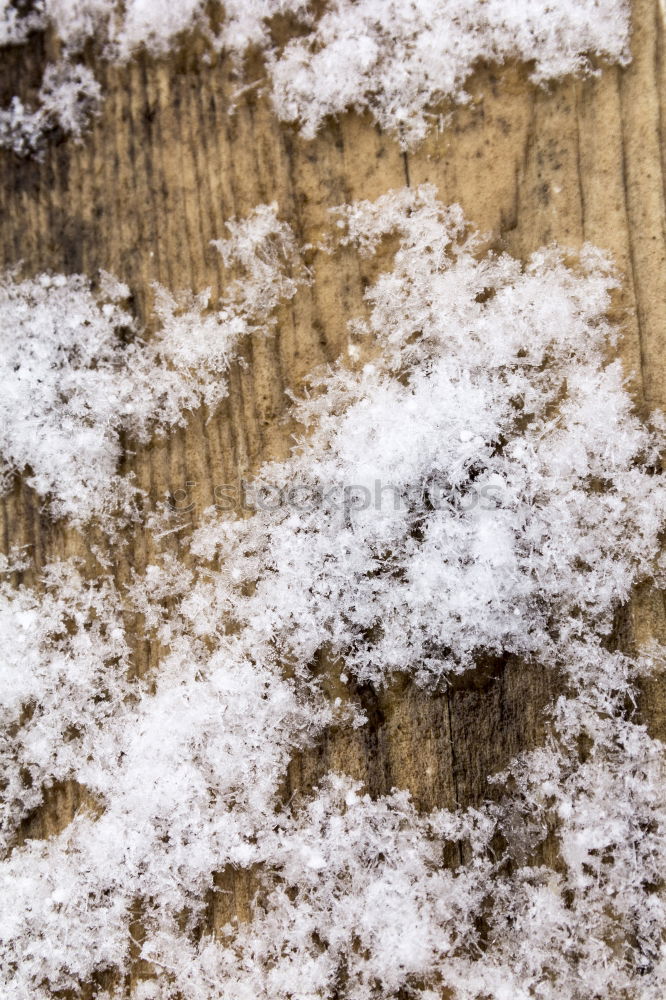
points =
(152, 184)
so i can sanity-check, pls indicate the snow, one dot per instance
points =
(72, 385)
(393, 58)
(397, 58)
(460, 400)
(473, 371)
(68, 96)
(474, 479)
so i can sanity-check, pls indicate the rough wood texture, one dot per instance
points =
(166, 164)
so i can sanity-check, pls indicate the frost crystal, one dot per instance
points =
(517, 506)
(69, 94)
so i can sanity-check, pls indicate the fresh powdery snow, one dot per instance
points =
(393, 58)
(518, 505)
(73, 382)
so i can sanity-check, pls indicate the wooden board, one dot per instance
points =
(152, 184)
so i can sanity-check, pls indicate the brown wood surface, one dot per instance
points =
(166, 163)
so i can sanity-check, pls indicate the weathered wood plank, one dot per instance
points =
(151, 185)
